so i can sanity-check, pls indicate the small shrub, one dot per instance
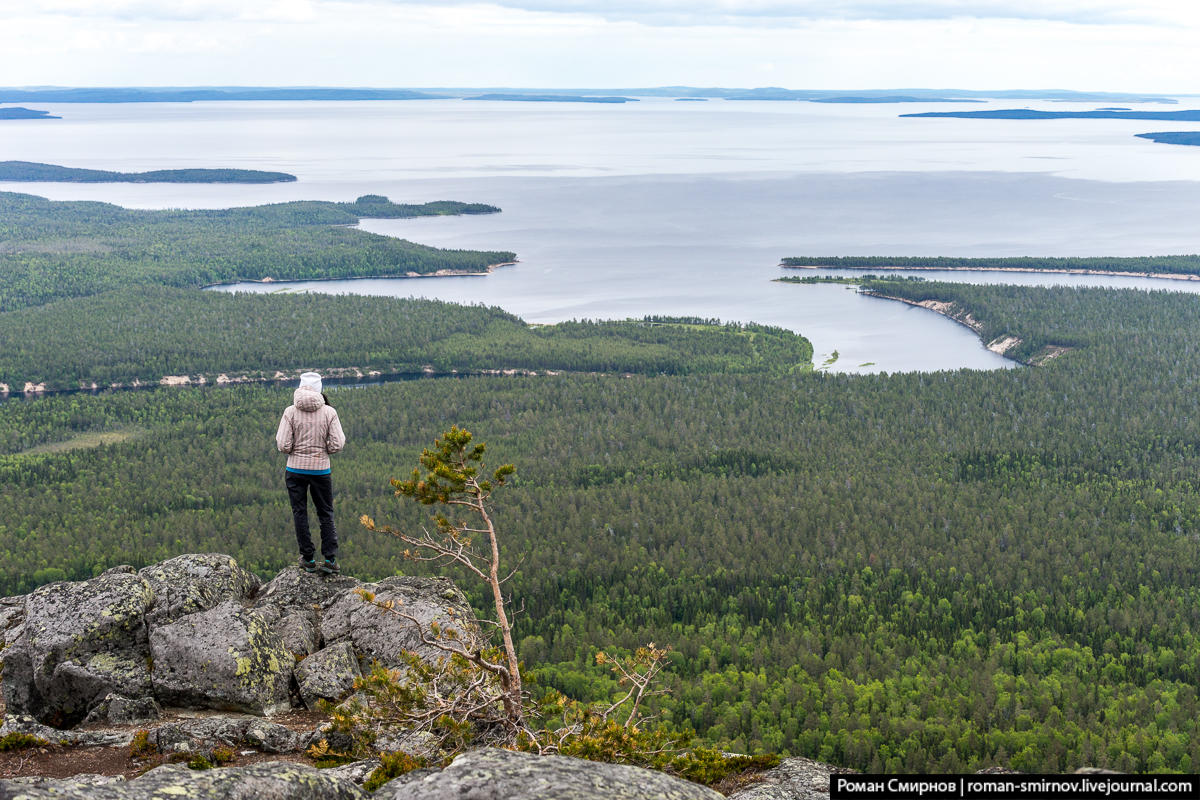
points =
(141, 747)
(20, 741)
(199, 762)
(325, 758)
(222, 756)
(394, 765)
(726, 773)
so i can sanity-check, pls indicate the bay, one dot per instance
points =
(672, 208)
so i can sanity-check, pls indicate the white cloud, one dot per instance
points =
(658, 12)
(841, 44)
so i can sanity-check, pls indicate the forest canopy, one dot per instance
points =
(53, 250)
(148, 332)
(912, 572)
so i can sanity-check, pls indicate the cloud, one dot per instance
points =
(774, 12)
(739, 13)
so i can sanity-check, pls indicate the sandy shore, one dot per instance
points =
(1166, 275)
(1000, 346)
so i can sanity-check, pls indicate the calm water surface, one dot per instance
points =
(660, 207)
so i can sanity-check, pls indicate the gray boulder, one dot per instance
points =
(493, 774)
(29, 726)
(295, 602)
(78, 643)
(196, 582)
(327, 675)
(381, 636)
(278, 780)
(794, 779)
(299, 632)
(82, 779)
(228, 658)
(294, 589)
(117, 710)
(12, 614)
(356, 772)
(203, 735)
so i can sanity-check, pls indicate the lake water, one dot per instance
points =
(660, 207)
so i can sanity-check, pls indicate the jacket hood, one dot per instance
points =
(307, 399)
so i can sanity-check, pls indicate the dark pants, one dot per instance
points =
(321, 487)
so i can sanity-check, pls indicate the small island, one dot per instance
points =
(551, 98)
(29, 171)
(1173, 137)
(24, 113)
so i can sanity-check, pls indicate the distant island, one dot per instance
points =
(883, 99)
(691, 99)
(1192, 115)
(24, 113)
(1179, 267)
(101, 95)
(243, 93)
(552, 98)
(24, 171)
(1173, 137)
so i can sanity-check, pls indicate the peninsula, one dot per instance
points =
(22, 171)
(24, 113)
(1173, 137)
(1190, 115)
(1178, 267)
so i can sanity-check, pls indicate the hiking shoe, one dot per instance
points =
(330, 567)
(308, 564)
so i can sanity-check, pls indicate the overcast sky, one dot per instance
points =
(1100, 45)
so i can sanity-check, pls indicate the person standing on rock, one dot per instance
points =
(309, 433)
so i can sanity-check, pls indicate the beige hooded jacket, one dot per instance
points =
(310, 431)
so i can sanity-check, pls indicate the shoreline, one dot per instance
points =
(441, 273)
(1172, 276)
(1000, 345)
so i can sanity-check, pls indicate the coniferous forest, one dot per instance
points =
(901, 573)
(1163, 265)
(54, 250)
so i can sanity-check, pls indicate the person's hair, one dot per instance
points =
(326, 398)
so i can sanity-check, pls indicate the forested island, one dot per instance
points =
(53, 250)
(552, 98)
(906, 573)
(890, 99)
(1186, 266)
(24, 113)
(49, 173)
(1173, 137)
(119, 95)
(1190, 115)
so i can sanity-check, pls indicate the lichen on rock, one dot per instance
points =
(228, 659)
(494, 774)
(78, 643)
(381, 636)
(196, 582)
(328, 675)
(279, 780)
